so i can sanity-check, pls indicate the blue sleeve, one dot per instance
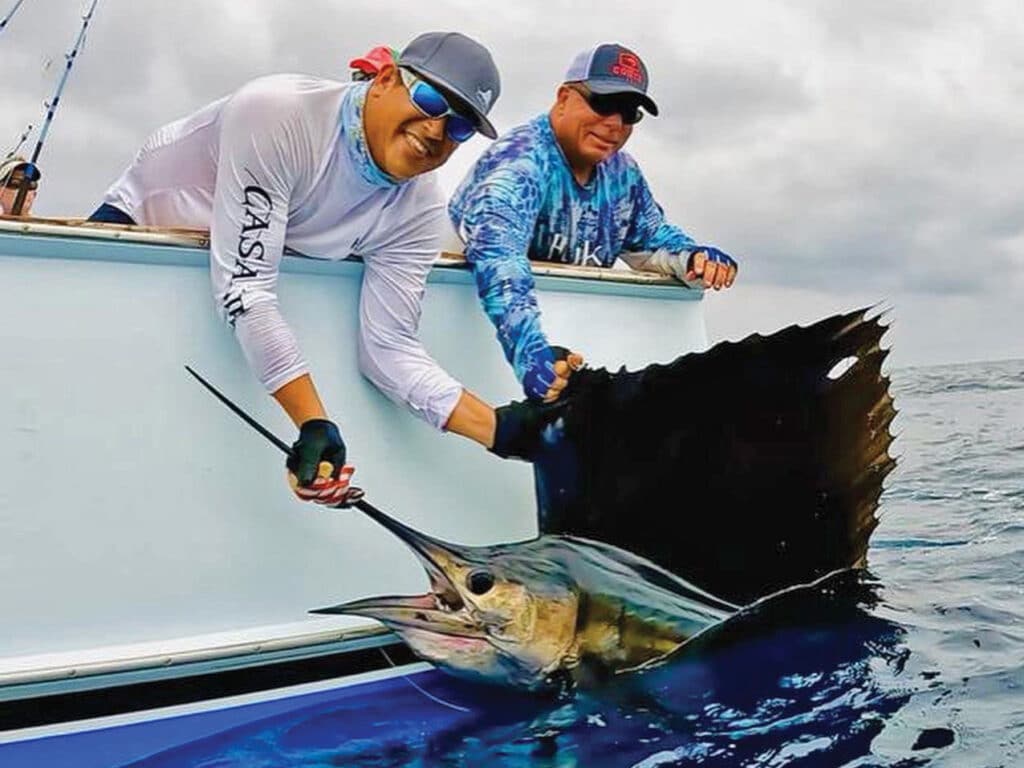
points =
(496, 217)
(650, 231)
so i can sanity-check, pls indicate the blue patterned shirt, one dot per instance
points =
(521, 201)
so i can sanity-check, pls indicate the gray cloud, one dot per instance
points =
(840, 150)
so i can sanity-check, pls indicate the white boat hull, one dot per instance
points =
(136, 509)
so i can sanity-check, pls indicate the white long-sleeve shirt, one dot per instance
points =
(283, 162)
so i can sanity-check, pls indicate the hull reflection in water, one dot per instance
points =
(810, 674)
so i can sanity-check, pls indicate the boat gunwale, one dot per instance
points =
(167, 661)
(179, 237)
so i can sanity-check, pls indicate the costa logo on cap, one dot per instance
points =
(627, 65)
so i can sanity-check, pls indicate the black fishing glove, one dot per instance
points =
(540, 378)
(560, 353)
(319, 441)
(516, 430)
(526, 430)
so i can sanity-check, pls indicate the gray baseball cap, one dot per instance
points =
(460, 65)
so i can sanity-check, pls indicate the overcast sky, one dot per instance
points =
(845, 152)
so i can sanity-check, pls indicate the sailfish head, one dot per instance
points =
(535, 614)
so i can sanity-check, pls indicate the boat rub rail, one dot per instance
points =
(197, 238)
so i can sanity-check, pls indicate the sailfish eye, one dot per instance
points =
(479, 582)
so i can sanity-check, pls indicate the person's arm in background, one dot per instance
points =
(257, 166)
(495, 219)
(655, 245)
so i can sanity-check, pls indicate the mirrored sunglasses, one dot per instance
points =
(432, 103)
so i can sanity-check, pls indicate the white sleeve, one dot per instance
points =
(662, 262)
(261, 154)
(390, 352)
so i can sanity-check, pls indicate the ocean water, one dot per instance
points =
(919, 661)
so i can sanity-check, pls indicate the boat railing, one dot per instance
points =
(198, 238)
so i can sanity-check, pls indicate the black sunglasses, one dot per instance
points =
(625, 105)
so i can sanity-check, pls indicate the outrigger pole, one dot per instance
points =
(51, 108)
(10, 15)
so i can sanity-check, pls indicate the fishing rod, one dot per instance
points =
(355, 495)
(51, 108)
(21, 141)
(12, 153)
(10, 15)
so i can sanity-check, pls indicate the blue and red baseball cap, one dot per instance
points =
(611, 68)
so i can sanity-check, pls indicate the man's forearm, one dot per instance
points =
(508, 297)
(663, 263)
(472, 418)
(300, 400)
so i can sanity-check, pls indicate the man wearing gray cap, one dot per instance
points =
(560, 189)
(328, 169)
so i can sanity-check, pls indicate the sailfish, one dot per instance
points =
(660, 524)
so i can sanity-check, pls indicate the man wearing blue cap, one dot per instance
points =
(560, 189)
(328, 169)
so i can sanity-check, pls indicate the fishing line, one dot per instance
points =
(429, 695)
